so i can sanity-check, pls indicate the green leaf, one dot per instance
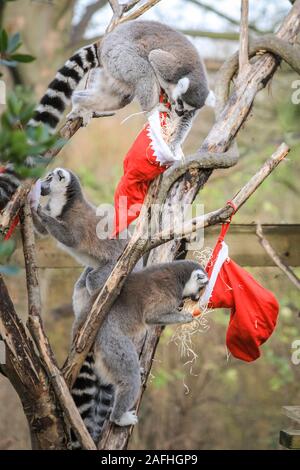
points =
(22, 57)
(14, 42)
(3, 40)
(14, 105)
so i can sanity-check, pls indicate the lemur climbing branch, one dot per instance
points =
(36, 329)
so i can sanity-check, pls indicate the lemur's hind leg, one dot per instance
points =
(106, 94)
(125, 65)
(119, 357)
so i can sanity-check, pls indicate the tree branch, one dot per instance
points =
(79, 28)
(276, 258)
(225, 35)
(218, 216)
(23, 369)
(119, 11)
(244, 39)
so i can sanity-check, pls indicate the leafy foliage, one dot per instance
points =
(8, 47)
(17, 141)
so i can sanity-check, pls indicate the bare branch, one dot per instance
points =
(222, 214)
(225, 35)
(24, 371)
(276, 258)
(139, 11)
(244, 38)
(79, 28)
(129, 5)
(36, 328)
(116, 7)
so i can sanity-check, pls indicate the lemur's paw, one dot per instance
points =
(80, 113)
(127, 419)
(187, 317)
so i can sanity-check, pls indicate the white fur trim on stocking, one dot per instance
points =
(160, 148)
(221, 258)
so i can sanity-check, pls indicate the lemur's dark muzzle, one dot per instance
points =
(179, 112)
(45, 189)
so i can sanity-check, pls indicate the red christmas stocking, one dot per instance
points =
(148, 157)
(254, 309)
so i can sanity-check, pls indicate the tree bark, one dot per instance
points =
(23, 369)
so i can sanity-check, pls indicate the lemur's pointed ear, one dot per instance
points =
(181, 88)
(211, 99)
(60, 175)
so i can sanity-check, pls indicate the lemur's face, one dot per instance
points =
(179, 102)
(194, 286)
(55, 182)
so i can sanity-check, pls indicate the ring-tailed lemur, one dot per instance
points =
(73, 222)
(137, 59)
(151, 296)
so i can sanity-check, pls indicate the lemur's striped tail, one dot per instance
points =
(9, 183)
(103, 407)
(60, 90)
(93, 399)
(84, 392)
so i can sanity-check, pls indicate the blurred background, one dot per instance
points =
(219, 403)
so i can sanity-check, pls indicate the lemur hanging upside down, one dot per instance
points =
(137, 60)
(152, 296)
(73, 222)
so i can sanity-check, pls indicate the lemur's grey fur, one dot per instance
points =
(137, 59)
(149, 297)
(73, 222)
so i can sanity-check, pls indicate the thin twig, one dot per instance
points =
(244, 38)
(139, 11)
(37, 331)
(276, 258)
